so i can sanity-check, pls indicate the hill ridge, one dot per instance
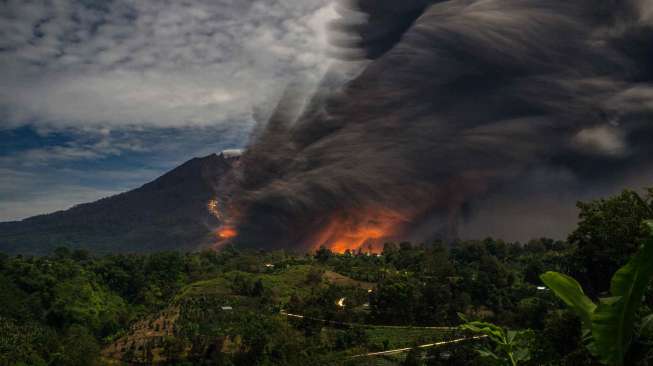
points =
(168, 213)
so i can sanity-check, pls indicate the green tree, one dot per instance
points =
(395, 300)
(609, 232)
(613, 325)
(314, 276)
(257, 288)
(81, 300)
(323, 254)
(79, 348)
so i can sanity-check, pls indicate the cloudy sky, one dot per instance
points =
(98, 96)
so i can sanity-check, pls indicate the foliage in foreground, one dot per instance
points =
(613, 327)
(507, 347)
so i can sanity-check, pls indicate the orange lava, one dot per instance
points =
(353, 233)
(357, 239)
(227, 233)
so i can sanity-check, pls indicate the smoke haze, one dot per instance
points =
(457, 119)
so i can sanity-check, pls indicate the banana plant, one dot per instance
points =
(509, 347)
(611, 326)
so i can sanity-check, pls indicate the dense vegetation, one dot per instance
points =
(231, 307)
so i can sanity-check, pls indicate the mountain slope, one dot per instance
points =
(169, 213)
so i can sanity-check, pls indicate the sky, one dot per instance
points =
(99, 97)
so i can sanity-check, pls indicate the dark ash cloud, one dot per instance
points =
(461, 103)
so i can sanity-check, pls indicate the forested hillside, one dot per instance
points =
(169, 213)
(238, 307)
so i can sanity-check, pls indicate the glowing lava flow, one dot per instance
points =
(368, 235)
(227, 233)
(357, 239)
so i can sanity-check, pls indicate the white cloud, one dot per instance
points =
(154, 63)
(87, 145)
(123, 81)
(602, 139)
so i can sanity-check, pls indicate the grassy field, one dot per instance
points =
(405, 337)
(215, 287)
(340, 280)
(283, 282)
(202, 301)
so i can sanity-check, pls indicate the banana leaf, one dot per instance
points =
(571, 293)
(613, 321)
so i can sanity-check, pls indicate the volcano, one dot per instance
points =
(177, 211)
(458, 118)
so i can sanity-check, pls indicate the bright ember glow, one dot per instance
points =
(368, 235)
(214, 209)
(227, 230)
(360, 238)
(227, 233)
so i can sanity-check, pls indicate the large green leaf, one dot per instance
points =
(646, 328)
(571, 293)
(614, 319)
(494, 332)
(510, 347)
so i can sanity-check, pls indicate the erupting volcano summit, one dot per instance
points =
(460, 117)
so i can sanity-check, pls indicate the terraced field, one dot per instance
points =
(218, 312)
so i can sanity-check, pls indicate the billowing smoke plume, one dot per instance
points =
(461, 106)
